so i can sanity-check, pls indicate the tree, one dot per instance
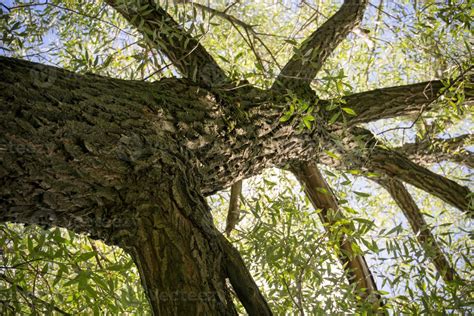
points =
(130, 162)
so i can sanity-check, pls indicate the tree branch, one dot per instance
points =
(164, 33)
(392, 101)
(398, 101)
(245, 287)
(322, 197)
(398, 166)
(233, 213)
(426, 239)
(305, 64)
(428, 151)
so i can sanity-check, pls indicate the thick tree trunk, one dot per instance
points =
(176, 250)
(106, 157)
(127, 162)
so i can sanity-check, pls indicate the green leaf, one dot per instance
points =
(361, 194)
(85, 256)
(349, 111)
(334, 118)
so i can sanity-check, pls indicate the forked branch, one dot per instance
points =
(426, 239)
(164, 33)
(310, 57)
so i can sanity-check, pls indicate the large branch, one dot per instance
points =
(398, 101)
(310, 57)
(392, 101)
(164, 33)
(426, 239)
(322, 197)
(429, 151)
(398, 166)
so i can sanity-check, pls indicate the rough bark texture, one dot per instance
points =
(107, 157)
(322, 197)
(393, 101)
(397, 166)
(179, 259)
(429, 151)
(130, 162)
(164, 33)
(422, 232)
(86, 153)
(128, 120)
(305, 64)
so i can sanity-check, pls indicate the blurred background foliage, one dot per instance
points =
(51, 270)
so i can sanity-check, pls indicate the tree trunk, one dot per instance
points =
(180, 264)
(106, 157)
(129, 162)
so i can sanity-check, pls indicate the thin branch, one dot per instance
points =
(233, 214)
(47, 3)
(322, 197)
(249, 29)
(372, 52)
(305, 64)
(218, 13)
(33, 297)
(423, 234)
(164, 33)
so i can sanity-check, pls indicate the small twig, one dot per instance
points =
(47, 3)
(25, 293)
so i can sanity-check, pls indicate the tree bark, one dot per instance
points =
(106, 157)
(428, 151)
(397, 166)
(182, 259)
(310, 57)
(233, 213)
(163, 32)
(405, 100)
(422, 232)
(393, 101)
(322, 197)
(91, 154)
(123, 122)
(179, 260)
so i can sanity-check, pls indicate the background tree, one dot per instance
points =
(130, 161)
